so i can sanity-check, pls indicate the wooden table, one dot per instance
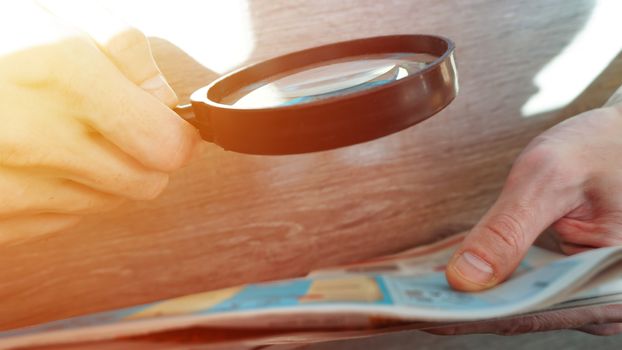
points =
(229, 218)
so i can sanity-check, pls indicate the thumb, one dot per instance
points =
(529, 203)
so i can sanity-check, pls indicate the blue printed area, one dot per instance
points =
(264, 296)
(386, 296)
(429, 291)
(282, 294)
(433, 292)
(97, 319)
(252, 297)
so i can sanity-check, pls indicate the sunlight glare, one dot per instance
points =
(217, 34)
(571, 72)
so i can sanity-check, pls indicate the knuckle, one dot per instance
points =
(507, 232)
(545, 162)
(127, 41)
(606, 314)
(520, 326)
(182, 149)
(533, 324)
(538, 156)
(152, 187)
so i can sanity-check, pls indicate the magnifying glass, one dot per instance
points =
(327, 97)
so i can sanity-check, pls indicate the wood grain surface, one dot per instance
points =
(229, 218)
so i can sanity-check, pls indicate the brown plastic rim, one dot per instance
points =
(334, 122)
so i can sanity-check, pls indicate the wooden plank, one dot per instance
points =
(229, 218)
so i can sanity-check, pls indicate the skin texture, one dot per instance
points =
(85, 121)
(570, 178)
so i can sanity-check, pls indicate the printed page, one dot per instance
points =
(411, 288)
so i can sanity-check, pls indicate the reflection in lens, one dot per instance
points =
(332, 77)
(328, 80)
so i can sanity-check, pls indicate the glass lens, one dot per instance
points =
(329, 79)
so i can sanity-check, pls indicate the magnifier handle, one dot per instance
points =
(187, 113)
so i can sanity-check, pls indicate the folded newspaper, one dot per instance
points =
(402, 291)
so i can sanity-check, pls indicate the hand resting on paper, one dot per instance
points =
(570, 178)
(85, 121)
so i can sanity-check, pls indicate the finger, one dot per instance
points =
(602, 329)
(127, 47)
(114, 172)
(530, 202)
(25, 193)
(575, 232)
(131, 52)
(17, 229)
(124, 114)
(546, 321)
(590, 233)
(571, 249)
(150, 132)
(72, 152)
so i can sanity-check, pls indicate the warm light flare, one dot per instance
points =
(588, 54)
(218, 34)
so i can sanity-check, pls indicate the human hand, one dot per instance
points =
(85, 123)
(597, 320)
(569, 177)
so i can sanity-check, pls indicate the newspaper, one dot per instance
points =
(392, 293)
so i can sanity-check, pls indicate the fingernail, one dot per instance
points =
(159, 88)
(473, 268)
